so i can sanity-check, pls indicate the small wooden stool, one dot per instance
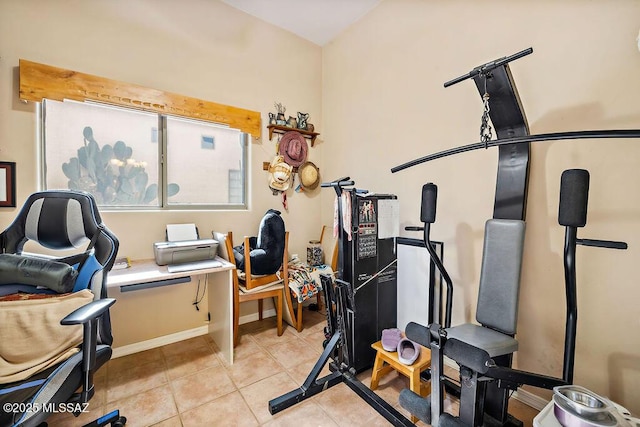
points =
(392, 363)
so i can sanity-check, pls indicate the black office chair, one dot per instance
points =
(59, 220)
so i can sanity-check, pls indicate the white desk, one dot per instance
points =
(147, 274)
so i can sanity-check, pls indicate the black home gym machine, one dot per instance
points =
(354, 317)
(484, 351)
(491, 379)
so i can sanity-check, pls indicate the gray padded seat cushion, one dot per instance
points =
(493, 342)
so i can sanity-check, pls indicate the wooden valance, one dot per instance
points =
(39, 81)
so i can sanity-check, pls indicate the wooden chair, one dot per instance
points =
(334, 261)
(262, 287)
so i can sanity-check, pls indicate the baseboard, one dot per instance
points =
(528, 398)
(128, 349)
(254, 316)
(524, 396)
(125, 350)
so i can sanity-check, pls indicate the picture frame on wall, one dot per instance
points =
(7, 184)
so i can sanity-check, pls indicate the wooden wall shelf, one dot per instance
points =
(283, 129)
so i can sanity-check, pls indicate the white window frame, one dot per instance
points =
(163, 203)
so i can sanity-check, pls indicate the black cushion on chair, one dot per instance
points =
(24, 270)
(238, 252)
(266, 256)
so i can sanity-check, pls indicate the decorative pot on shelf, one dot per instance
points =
(302, 120)
(292, 122)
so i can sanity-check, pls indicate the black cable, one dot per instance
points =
(198, 301)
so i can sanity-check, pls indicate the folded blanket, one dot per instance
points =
(32, 338)
(304, 280)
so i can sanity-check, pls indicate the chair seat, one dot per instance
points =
(256, 281)
(243, 276)
(269, 286)
(493, 342)
(52, 385)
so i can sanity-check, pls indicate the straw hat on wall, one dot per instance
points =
(309, 175)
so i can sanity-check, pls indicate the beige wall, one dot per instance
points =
(384, 104)
(203, 49)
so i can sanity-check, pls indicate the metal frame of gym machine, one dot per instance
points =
(339, 305)
(495, 85)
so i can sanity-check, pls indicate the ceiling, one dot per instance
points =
(318, 21)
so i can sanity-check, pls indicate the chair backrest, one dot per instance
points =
(225, 246)
(64, 220)
(61, 219)
(225, 251)
(500, 275)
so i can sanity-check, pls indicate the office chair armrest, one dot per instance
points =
(88, 315)
(88, 312)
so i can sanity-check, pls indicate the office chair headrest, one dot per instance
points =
(59, 219)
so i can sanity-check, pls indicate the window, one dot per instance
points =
(200, 157)
(133, 159)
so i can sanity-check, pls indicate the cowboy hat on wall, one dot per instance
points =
(279, 174)
(293, 147)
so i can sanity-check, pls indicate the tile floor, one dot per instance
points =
(188, 384)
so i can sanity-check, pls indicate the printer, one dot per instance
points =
(182, 251)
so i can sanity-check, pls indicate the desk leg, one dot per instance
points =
(220, 295)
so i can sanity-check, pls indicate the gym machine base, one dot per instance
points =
(339, 297)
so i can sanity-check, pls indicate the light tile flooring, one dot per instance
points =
(188, 384)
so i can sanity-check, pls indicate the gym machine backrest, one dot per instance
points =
(497, 309)
(497, 313)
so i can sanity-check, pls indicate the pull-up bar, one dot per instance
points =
(485, 68)
(556, 136)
